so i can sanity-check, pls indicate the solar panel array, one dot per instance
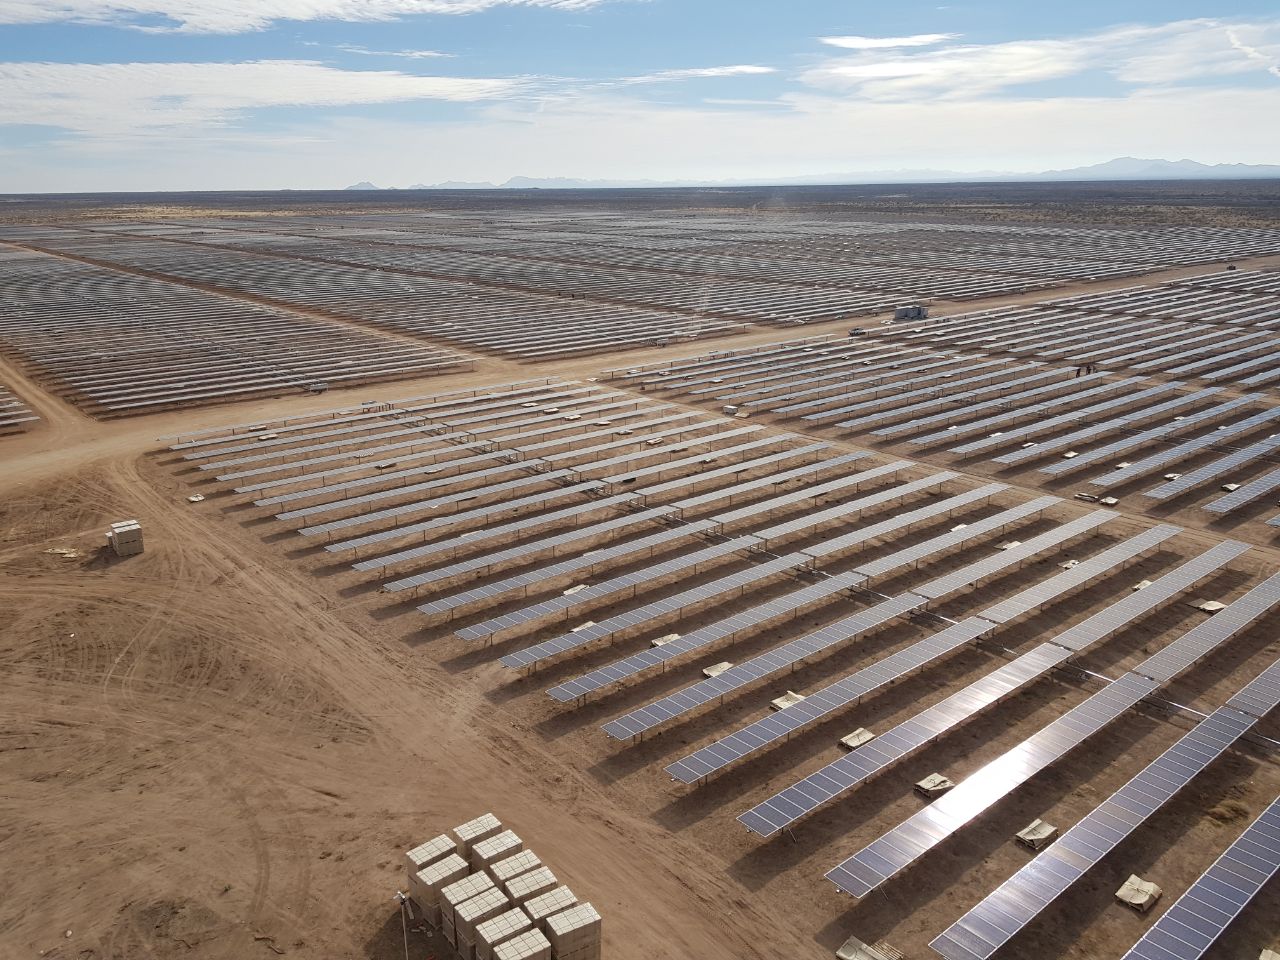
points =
(481, 498)
(15, 415)
(122, 345)
(491, 318)
(1198, 918)
(913, 838)
(538, 287)
(666, 545)
(837, 778)
(1027, 387)
(653, 715)
(1003, 913)
(767, 731)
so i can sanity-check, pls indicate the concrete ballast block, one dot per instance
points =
(498, 847)
(499, 930)
(425, 854)
(530, 945)
(512, 867)
(575, 933)
(426, 885)
(542, 907)
(458, 893)
(531, 884)
(474, 831)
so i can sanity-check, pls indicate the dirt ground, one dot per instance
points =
(214, 750)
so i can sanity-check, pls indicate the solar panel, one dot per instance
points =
(838, 777)
(855, 480)
(727, 629)
(539, 499)
(453, 480)
(963, 402)
(1233, 461)
(1191, 646)
(978, 571)
(1053, 423)
(525, 552)
(434, 503)
(892, 853)
(767, 731)
(752, 671)
(487, 563)
(742, 466)
(1186, 449)
(1154, 433)
(936, 547)
(940, 397)
(703, 499)
(837, 387)
(1108, 426)
(410, 415)
(842, 775)
(1004, 912)
(623, 584)
(782, 377)
(1188, 928)
(896, 850)
(1034, 597)
(696, 459)
(898, 393)
(489, 593)
(789, 654)
(655, 610)
(1015, 413)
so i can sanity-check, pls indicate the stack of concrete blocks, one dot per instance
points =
(504, 871)
(125, 538)
(530, 945)
(494, 900)
(575, 934)
(456, 894)
(499, 930)
(530, 885)
(474, 912)
(498, 847)
(475, 831)
(427, 884)
(541, 908)
(423, 856)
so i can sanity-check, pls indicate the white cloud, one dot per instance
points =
(1144, 55)
(1270, 60)
(127, 99)
(236, 16)
(695, 73)
(883, 43)
(406, 54)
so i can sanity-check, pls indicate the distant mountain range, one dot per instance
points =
(1122, 168)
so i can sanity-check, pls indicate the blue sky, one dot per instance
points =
(263, 94)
